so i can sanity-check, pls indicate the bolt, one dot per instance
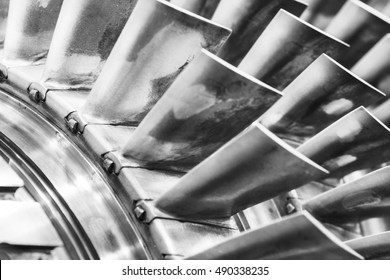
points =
(34, 95)
(72, 125)
(108, 165)
(140, 213)
(290, 208)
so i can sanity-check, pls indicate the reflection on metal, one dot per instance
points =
(372, 247)
(286, 47)
(320, 12)
(363, 198)
(102, 229)
(260, 214)
(248, 19)
(4, 4)
(84, 36)
(9, 180)
(297, 237)
(323, 93)
(252, 168)
(359, 25)
(341, 143)
(25, 224)
(210, 103)
(176, 239)
(374, 66)
(204, 8)
(30, 29)
(157, 43)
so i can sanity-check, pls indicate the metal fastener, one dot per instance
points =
(34, 95)
(108, 165)
(140, 213)
(72, 125)
(290, 208)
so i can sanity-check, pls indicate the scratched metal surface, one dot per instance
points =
(209, 104)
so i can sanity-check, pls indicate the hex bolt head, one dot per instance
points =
(72, 125)
(34, 95)
(290, 208)
(140, 213)
(108, 165)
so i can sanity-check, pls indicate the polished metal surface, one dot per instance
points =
(252, 168)
(208, 104)
(102, 229)
(25, 224)
(157, 43)
(286, 47)
(296, 237)
(9, 179)
(319, 96)
(107, 190)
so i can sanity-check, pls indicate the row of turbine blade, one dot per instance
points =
(216, 98)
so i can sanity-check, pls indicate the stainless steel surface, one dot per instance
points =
(64, 155)
(360, 199)
(207, 105)
(286, 47)
(157, 43)
(4, 4)
(102, 226)
(252, 168)
(321, 12)
(372, 247)
(30, 28)
(204, 8)
(26, 224)
(343, 142)
(359, 25)
(319, 96)
(296, 237)
(9, 179)
(248, 19)
(374, 66)
(85, 33)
